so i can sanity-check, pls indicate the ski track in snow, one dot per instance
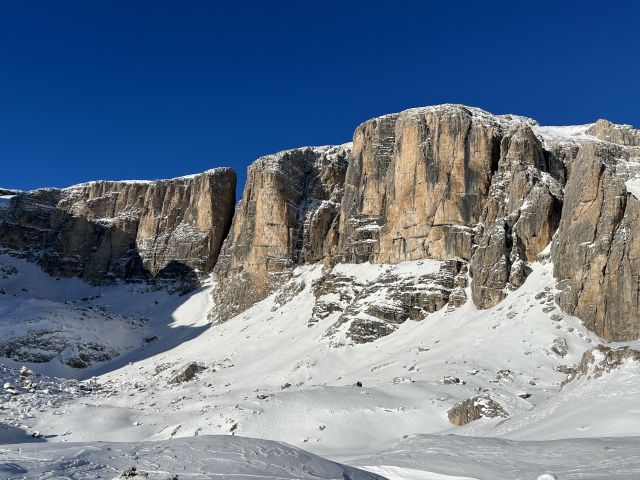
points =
(201, 458)
(454, 457)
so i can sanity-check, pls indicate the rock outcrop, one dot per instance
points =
(8, 192)
(287, 216)
(596, 251)
(618, 134)
(41, 346)
(129, 230)
(475, 408)
(186, 374)
(364, 309)
(602, 359)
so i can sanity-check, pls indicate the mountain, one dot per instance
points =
(451, 182)
(450, 271)
(129, 230)
(445, 182)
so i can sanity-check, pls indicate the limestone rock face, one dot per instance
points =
(522, 212)
(619, 134)
(451, 182)
(288, 215)
(107, 230)
(412, 185)
(596, 251)
(366, 309)
(447, 182)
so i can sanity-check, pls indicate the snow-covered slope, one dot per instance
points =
(53, 325)
(270, 373)
(436, 457)
(247, 363)
(199, 457)
(633, 186)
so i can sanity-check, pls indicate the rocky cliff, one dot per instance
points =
(483, 194)
(596, 251)
(131, 230)
(287, 216)
(446, 182)
(450, 182)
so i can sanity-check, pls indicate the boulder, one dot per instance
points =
(187, 374)
(475, 408)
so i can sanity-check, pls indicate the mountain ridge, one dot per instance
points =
(439, 182)
(413, 289)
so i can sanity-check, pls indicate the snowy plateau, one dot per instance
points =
(134, 380)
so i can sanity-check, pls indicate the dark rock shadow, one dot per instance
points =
(9, 434)
(168, 337)
(33, 228)
(65, 245)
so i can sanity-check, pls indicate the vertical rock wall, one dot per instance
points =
(102, 231)
(287, 215)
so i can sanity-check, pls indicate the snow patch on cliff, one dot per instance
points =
(5, 200)
(633, 187)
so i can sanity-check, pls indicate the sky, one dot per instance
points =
(157, 89)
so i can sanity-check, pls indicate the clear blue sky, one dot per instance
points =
(153, 89)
